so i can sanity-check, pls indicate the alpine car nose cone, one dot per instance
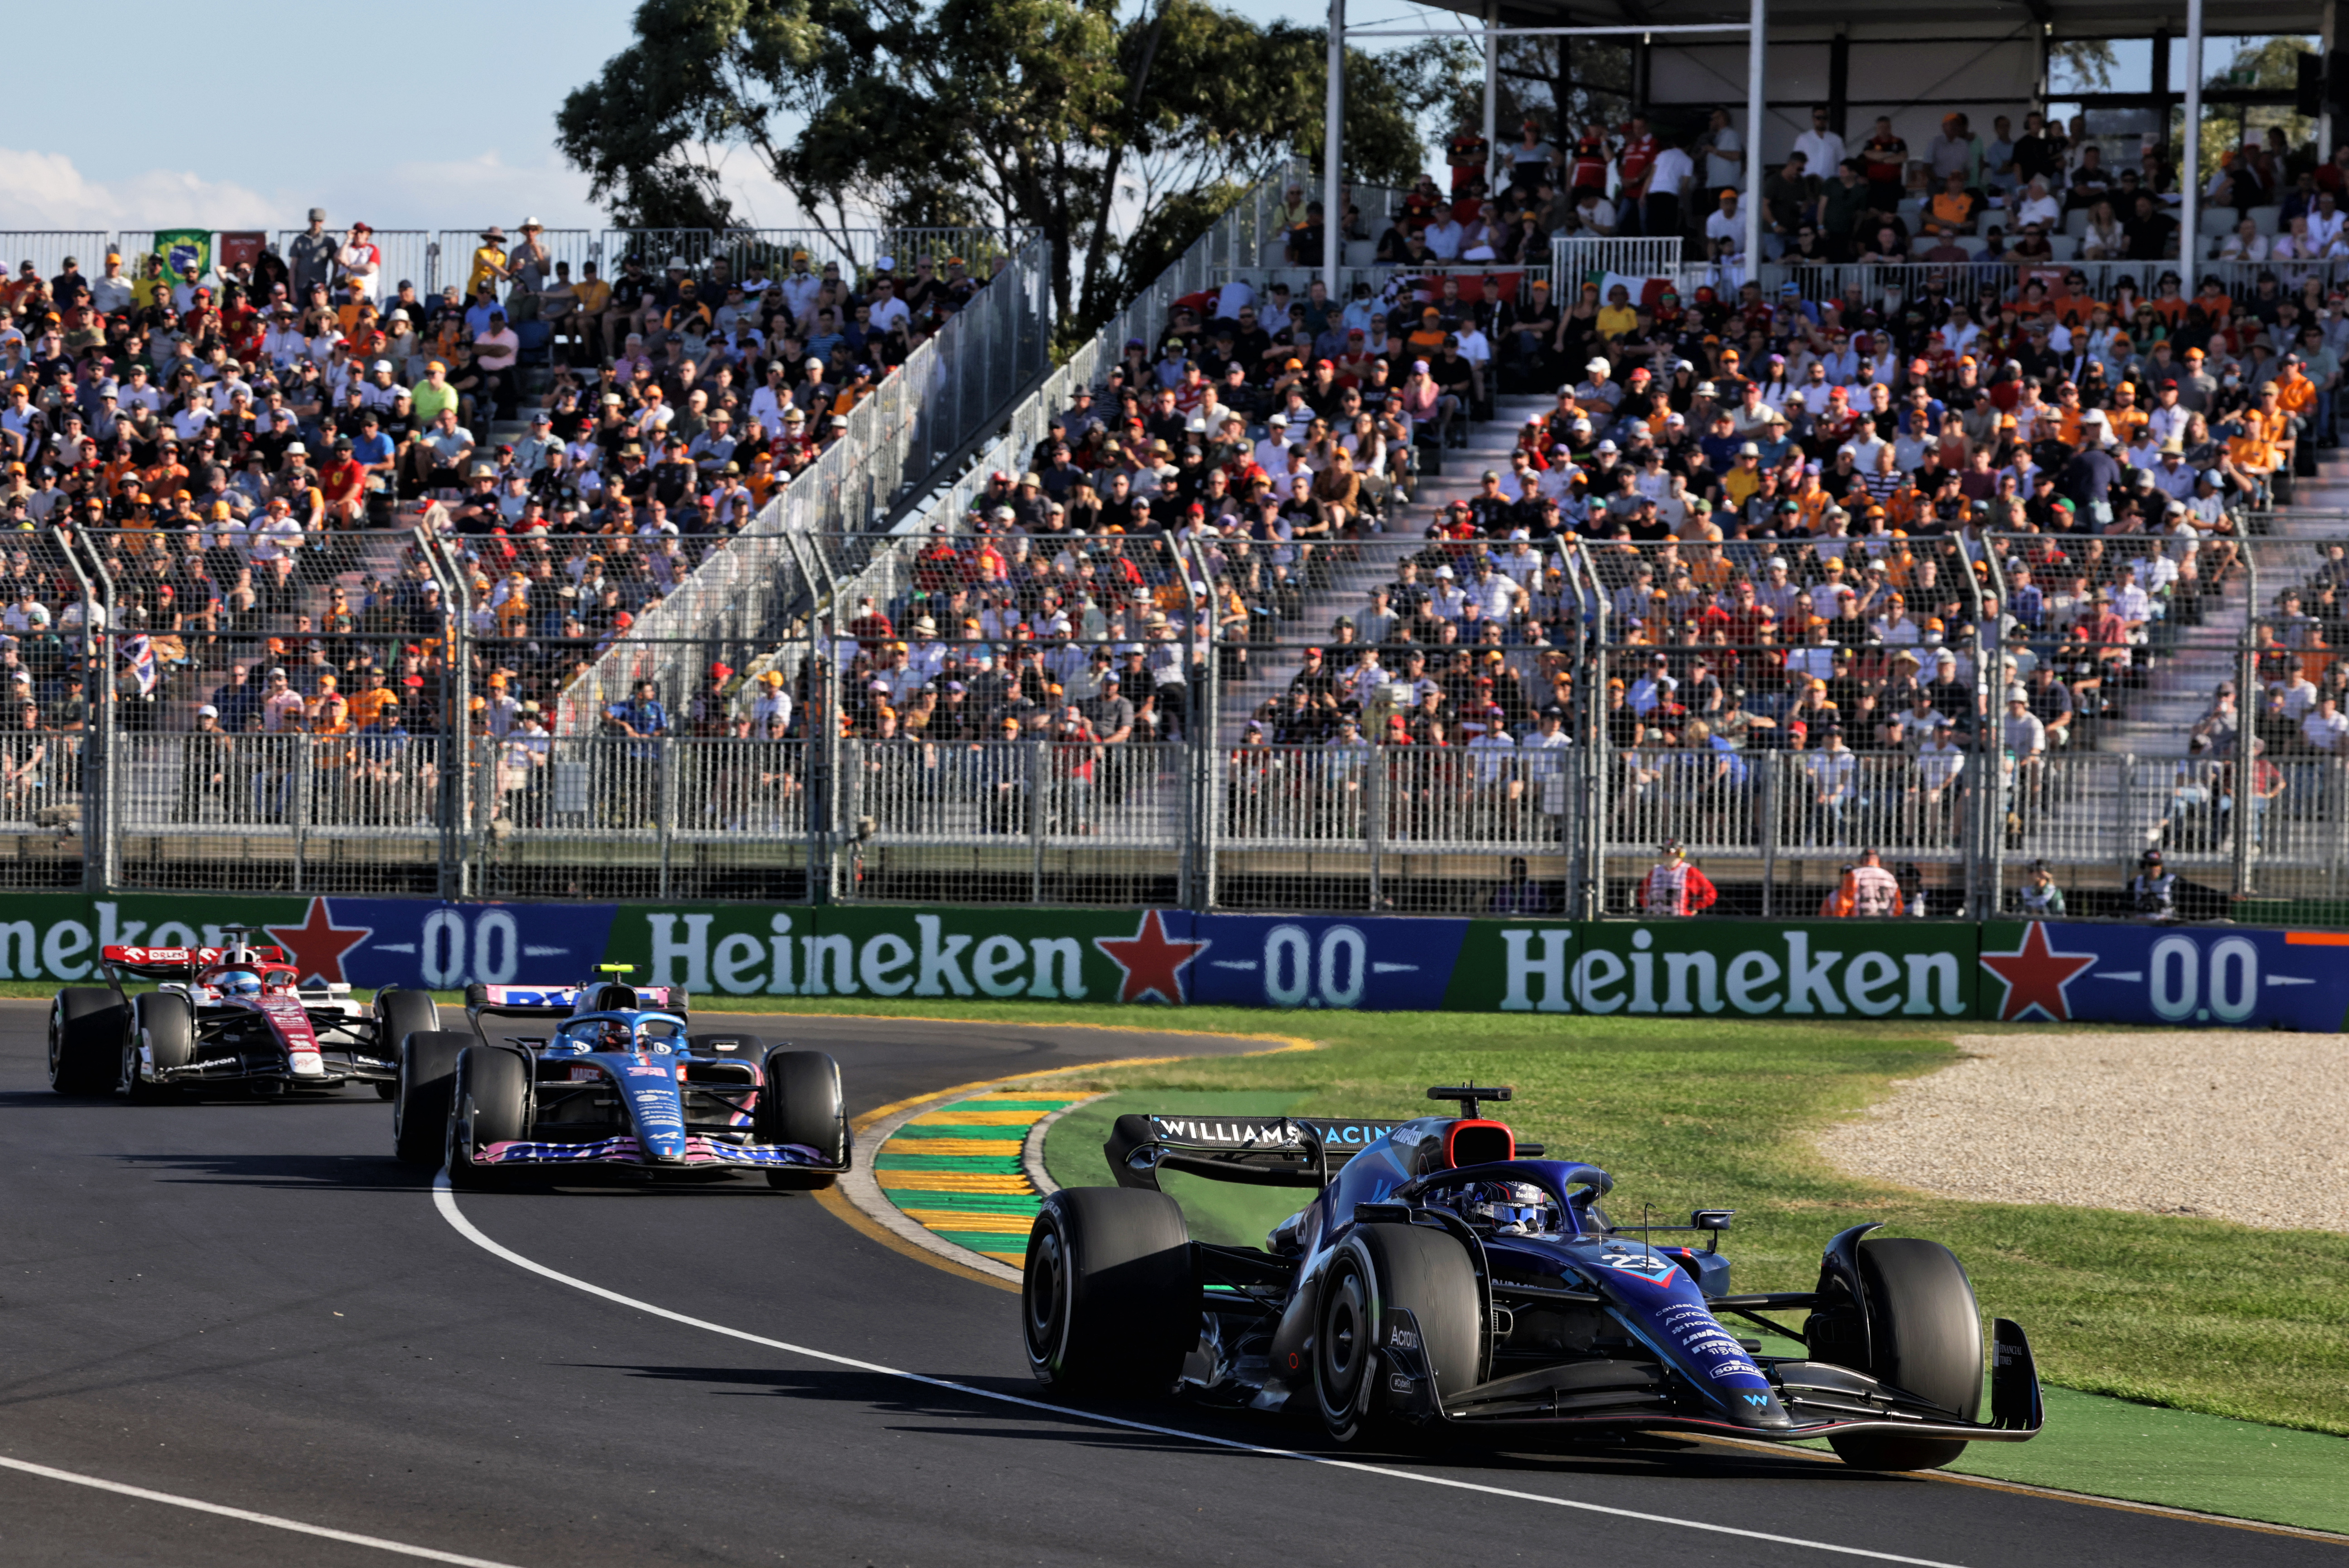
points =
(656, 1105)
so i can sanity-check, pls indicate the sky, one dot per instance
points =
(301, 121)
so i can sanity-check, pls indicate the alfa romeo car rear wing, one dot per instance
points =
(1259, 1151)
(176, 963)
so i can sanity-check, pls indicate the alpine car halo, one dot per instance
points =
(1445, 1276)
(617, 1081)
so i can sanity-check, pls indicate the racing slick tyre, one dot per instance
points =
(1108, 1304)
(1925, 1332)
(477, 996)
(489, 1103)
(397, 1015)
(420, 1101)
(166, 1025)
(680, 1001)
(1377, 1271)
(801, 1105)
(87, 1025)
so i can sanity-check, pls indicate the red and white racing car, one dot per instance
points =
(233, 1017)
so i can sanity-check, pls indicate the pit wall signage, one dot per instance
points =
(1817, 971)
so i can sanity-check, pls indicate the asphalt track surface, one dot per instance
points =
(251, 1304)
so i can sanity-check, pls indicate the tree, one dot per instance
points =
(1116, 141)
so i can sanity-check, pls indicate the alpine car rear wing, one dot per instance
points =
(1258, 1151)
(559, 1000)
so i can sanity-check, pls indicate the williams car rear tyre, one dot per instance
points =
(87, 1025)
(801, 1105)
(166, 1027)
(489, 1105)
(1108, 1304)
(1925, 1334)
(1381, 1268)
(419, 1100)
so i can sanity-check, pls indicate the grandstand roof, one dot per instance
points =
(1789, 18)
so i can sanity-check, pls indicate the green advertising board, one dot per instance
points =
(1745, 969)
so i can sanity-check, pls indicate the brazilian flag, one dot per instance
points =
(184, 249)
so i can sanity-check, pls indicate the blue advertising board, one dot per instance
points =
(2236, 977)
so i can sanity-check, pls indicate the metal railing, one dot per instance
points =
(432, 259)
(757, 583)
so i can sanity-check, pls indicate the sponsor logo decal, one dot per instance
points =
(1759, 1401)
(1152, 961)
(1733, 1369)
(2036, 977)
(315, 948)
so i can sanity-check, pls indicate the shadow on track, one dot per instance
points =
(1652, 1455)
(348, 1171)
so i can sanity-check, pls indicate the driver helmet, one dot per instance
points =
(1512, 1207)
(613, 1036)
(237, 982)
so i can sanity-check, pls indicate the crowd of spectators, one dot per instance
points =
(229, 445)
(2033, 194)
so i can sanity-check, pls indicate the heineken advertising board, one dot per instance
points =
(1813, 969)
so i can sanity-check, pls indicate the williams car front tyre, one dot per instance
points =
(1925, 1338)
(1378, 1273)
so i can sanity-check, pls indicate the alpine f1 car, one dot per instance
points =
(1445, 1276)
(231, 1018)
(615, 1081)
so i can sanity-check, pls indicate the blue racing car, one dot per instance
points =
(614, 1080)
(1446, 1277)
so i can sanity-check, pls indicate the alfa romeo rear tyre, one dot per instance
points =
(419, 1100)
(87, 1025)
(1108, 1304)
(1925, 1334)
(489, 1105)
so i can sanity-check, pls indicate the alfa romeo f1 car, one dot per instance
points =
(615, 1080)
(234, 1017)
(1446, 1277)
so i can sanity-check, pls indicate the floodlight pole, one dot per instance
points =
(1333, 136)
(2190, 164)
(1757, 50)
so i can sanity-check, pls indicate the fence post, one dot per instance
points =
(305, 756)
(665, 803)
(1038, 781)
(1769, 794)
(1374, 829)
(2246, 765)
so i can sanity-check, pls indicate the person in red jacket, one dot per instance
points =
(1673, 887)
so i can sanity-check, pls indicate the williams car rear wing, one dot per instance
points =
(1259, 1151)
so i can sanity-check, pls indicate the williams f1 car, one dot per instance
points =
(615, 1080)
(228, 1018)
(1448, 1278)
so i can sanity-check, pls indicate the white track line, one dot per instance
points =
(246, 1514)
(447, 1200)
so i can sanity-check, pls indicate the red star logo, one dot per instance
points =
(1152, 960)
(317, 944)
(2035, 976)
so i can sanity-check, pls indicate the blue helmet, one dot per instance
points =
(237, 982)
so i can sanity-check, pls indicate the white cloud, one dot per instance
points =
(46, 190)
